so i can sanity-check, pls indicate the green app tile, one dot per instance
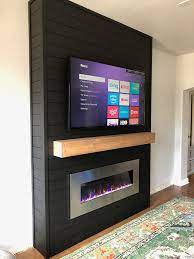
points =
(134, 88)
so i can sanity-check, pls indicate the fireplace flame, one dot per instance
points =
(102, 190)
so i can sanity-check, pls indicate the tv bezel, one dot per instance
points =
(114, 129)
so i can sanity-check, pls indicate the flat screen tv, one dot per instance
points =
(103, 95)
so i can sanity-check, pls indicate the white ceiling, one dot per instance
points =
(171, 26)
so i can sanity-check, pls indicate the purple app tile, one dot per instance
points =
(134, 100)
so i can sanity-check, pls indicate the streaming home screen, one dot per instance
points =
(104, 95)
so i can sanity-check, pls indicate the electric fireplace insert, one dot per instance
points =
(95, 188)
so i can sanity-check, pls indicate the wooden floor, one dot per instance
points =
(156, 200)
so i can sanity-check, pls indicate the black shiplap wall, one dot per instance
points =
(39, 128)
(60, 29)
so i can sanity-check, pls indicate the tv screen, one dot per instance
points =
(103, 95)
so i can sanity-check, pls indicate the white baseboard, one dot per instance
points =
(160, 188)
(168, 184)
(190, 173)
(182, 182)
(15, 250)
(9, 249)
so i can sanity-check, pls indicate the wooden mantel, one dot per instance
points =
(81, 146)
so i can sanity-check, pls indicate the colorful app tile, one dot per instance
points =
(124, 87)
(134, 88)
(124, 99)
(113, 85)
(134, 112)
(112, 122)
(123, 112)
(134, 100)
(113, 99)
(112, 112)
(123, 122)
(134, 121)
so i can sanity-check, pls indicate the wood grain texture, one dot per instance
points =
(156, 200)
(81, 146)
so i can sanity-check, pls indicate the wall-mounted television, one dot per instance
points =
(104, 96)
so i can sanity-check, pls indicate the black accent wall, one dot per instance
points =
(60, 29)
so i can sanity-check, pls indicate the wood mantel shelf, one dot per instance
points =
(81, 146)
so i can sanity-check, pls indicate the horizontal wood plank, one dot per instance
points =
(81, 146)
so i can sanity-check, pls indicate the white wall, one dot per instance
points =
(15, 164)
(173, 77)
(184, 82)
(163, 107)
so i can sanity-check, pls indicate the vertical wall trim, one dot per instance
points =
(31, 124)
(46, 154)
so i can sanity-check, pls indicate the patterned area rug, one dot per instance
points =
(164, 232)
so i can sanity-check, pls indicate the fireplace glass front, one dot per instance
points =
(103, 186)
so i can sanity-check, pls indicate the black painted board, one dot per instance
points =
(38, 128)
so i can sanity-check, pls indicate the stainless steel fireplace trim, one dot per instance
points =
(77, 208)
